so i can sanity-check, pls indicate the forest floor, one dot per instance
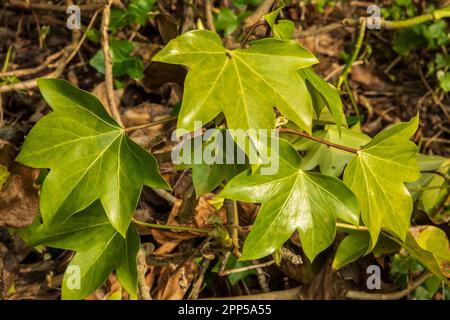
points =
(388, 88)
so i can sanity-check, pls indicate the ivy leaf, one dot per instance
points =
(292, 199)
(430, 189)
(221, 80)
(435, 240)
(283, 29)
(331, 161)
(351, 248)
(430, 246)
(122, 60)
(207, 176)
(139, 10)
(356, 245)
(226, 21)
(89, 156)
(99, 250)
(322, 93)
(377, 174)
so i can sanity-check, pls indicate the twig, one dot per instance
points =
(289, 294)
(263, 9)
(109, 79)
(208, 15)
(29, 71)
(359, 295)
(384, 24)
(63, 62)
(165, 195)
(151, 124)
(24, 4)
(246, 268)
(144, 290)
(316, 139)
(262, 279)
(171, 227)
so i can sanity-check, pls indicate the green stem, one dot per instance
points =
(348, 66)
(432, 16)
(352, 100)
(171, 227)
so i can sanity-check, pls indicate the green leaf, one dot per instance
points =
(292, 199)
(332, 161)
(226, 21)
(3, 175)
(328, 96)
(322, 93)
(208, 176)
(231, 82)
(284, 29)
(122, 60)
(431, 249)
(377, 174)
(99, 250)
(444, 80)
(435, 240)
(351, 248)
(89, 155)
(430, 189)
(139, 9)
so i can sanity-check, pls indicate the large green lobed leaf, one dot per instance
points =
(89, 156)
(292, 199)
(100, 249)
(377, 174)
(244, 84)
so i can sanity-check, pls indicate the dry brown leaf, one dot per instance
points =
(18, 198)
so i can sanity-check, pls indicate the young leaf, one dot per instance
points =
(89, 155)
(208, 176)
(351, 248)
(283, 29)
(331, 161)
(221, 80)
(377, 174)
(99, 250)
(123, 61)
(292, 199)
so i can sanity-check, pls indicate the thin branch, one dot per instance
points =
(263, 9)
(319, 140)
(246, 268)
(289, 294)
(360, 295)
(144, 290)
(208, 15)
(151, 124)
(171, 227)
(384, 24)
(63, 62)
(109, 79)
(22, 4)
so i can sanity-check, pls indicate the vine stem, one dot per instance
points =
(319, 140)
(171, 227)
(150, 124)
